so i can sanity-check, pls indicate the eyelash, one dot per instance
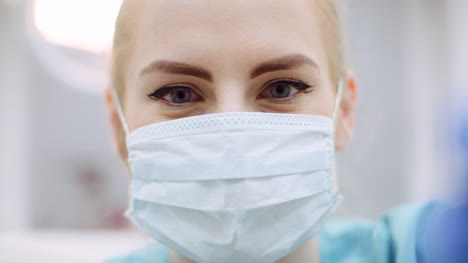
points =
(161, 92)
(299, 85)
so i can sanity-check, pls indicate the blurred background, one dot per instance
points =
(63, 191)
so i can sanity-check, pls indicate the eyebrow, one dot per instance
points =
(281, 63)
(178, 68)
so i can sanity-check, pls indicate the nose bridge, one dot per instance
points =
(231, 97)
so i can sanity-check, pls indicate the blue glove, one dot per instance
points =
(443, 235)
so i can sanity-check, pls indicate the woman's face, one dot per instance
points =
(205, 56)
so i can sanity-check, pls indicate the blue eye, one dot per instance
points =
(176, 95)
(283, 89)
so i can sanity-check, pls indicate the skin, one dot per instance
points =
(226, 42)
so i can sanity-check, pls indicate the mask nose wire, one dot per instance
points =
(339, 94)
(118, 107)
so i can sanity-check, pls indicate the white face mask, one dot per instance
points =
(244, 187)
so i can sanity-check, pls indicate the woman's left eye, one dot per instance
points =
(283, 89)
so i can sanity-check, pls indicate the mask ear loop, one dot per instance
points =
(118, 107)
(339, 94)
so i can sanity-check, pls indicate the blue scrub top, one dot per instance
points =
(398, 237)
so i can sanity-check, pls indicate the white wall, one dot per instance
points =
(57, 168)
(375, 169)
(429, 79)
(15, 129)
(458, 67)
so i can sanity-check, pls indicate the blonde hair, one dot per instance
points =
(331, 29)
(124, 37)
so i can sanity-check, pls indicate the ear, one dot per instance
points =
(345, 118)
(118, 133)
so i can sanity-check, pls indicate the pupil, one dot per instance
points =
(281, 91)
(180, 96)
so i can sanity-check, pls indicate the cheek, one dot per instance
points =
(306, 104)
(139, 111)
(321, 104)
(318, 102)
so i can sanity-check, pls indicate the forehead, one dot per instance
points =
(197, 29)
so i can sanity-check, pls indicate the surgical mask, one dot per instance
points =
(237, 187)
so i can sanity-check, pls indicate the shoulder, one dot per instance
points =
(392, 238)
(153, 254)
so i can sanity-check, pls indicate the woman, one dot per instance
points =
(229, 113)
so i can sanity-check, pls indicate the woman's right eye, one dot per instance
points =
(176, 95)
